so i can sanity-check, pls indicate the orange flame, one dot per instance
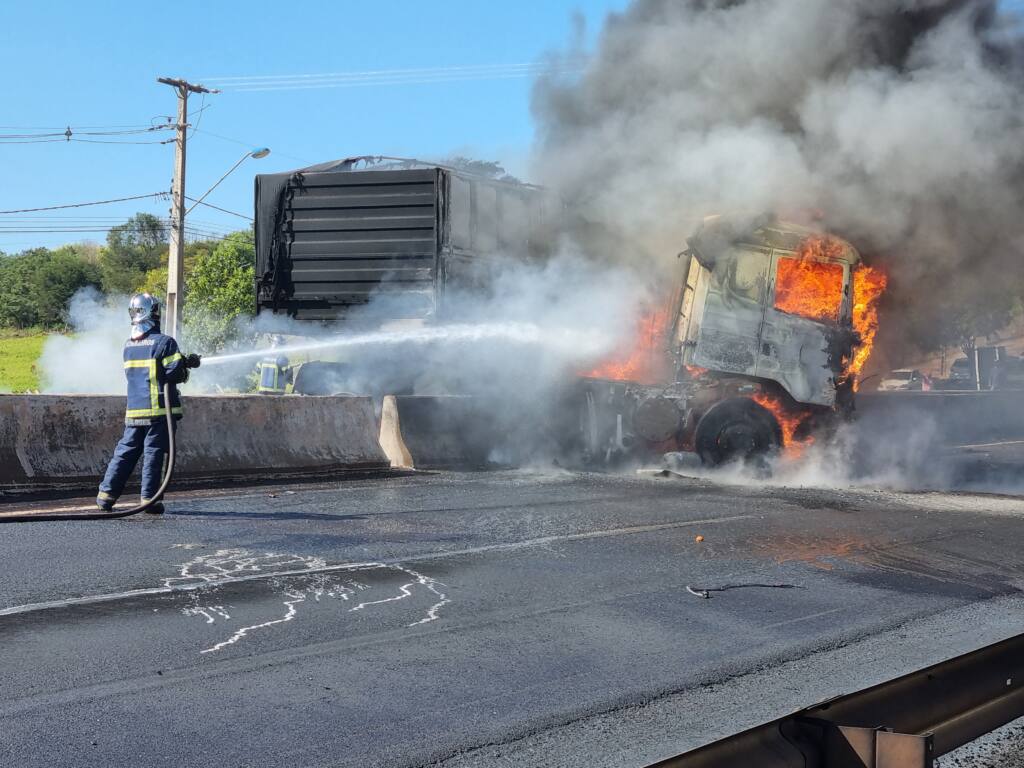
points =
(868, 285)
(812, 288)
(643, 359)
(809, 287)
(790, 421)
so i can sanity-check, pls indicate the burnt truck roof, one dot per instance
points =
(767, 232)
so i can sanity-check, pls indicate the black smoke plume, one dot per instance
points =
(896, 123)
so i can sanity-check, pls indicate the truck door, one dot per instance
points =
(730, 329)
(806, 299)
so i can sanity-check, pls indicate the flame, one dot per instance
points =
(868, 285)
(789, 420)
(643, 359)
(812, 288)
(809, 287)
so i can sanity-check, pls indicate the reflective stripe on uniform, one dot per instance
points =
(170, 359)
(274, 386)
(142, 413)
(154, 391)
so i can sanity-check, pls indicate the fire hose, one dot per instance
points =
(192, 362)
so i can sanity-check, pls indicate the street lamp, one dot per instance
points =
(176, 260)
(256, 154)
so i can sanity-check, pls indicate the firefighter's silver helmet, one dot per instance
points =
(144, 310)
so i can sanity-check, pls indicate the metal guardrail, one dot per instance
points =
(902, 723)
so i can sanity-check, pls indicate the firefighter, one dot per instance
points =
(150, 359)
(274, 372)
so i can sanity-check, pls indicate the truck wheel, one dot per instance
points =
(737, 430)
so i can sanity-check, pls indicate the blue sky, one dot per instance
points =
(96, 64)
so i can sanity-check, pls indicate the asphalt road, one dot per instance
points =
(520, 618)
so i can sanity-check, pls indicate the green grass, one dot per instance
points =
(19, 351)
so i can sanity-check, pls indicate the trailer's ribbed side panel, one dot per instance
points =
(339, 238)
(329, 240)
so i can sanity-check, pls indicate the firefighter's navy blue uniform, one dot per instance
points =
(275, 375)
(149, 361)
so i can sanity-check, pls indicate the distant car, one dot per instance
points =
(904, 379)
(961, 370)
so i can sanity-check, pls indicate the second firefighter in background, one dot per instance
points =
(274, 371)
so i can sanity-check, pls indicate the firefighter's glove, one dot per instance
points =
(192, 361)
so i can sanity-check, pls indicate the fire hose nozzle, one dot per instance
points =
(193, 360)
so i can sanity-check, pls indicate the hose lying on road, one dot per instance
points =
(121, 513)
(705, 592)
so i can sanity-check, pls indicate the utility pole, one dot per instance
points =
(176, 257)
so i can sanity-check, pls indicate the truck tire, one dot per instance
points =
(737, 430)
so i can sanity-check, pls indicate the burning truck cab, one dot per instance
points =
(758, 348)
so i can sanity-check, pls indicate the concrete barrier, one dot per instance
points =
(429, 432)
(958, 418)
(65, 441)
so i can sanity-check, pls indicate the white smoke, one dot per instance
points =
(543, 322)
(536, 324)
(904, 454)
(89, 360)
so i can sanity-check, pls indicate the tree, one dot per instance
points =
(36, 285)
(155, 280)
(17, 306)
(218, 291)
(58, 278)
(963, 312)
(132, 250)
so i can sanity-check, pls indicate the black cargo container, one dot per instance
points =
(328, 238)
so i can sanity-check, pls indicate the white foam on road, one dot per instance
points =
(198, 583)
(224, 566)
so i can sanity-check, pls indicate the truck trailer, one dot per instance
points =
(332, 236)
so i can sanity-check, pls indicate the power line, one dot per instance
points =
(68, 135)
(379, 83)
(79, 141)
(381, 77)
(250, 145)
(103, 141)
(83, 205)
(232, 81)
(218, 208)
(96, 221)
(193, 232)
(33, 141)
(65, 125)
(99, 227)
(367, 72)
(199, 112)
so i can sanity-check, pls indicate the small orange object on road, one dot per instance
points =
(698, 538)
